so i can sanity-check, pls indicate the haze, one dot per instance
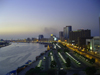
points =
(29, 18)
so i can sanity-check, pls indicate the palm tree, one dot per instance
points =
(68, 64)
(53, 64)
(62, 72)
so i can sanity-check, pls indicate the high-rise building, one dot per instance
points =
(99, 25)
(40, 37)
(74, 35)
(95, 42)
(66, 31)
(99, 31)
(61, 35)
(28, 39)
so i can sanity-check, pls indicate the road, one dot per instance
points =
(33, 65)
(47, 61)
(96, 57)
(72, 65)
(56, 59)
(83, 65)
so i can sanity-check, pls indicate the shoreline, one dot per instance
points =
(1, 46)
(21, 68)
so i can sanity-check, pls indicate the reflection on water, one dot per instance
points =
(17, 54)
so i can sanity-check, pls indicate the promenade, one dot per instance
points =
(34, 64)
(59, 55)
(60, 64)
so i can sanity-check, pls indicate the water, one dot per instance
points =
(17, 54)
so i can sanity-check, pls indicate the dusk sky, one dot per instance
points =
(20, 19)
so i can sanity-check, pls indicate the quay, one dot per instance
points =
(58, 58)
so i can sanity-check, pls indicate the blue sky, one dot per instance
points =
(29, 18)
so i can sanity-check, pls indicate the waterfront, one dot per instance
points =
(17, 54)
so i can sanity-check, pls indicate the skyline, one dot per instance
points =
(27, 18)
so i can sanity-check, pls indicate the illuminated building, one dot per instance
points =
(95, 44)
(74, 35)
(66, 31)
(51, 34)
(53, 38)
(83, 41)
(44, 39)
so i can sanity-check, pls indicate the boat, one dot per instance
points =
(14, 72)
(28, 62)
(21, 68)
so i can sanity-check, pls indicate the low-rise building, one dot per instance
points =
(95, 44)
(83, 42)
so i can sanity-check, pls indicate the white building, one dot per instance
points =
(95, 44)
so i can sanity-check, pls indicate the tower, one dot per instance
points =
(66, 31)
(99, 25)
(61, 35)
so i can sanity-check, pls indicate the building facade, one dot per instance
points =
(53, 38)
(66, 31)
(40, 37)
(95, 44)
(99, 29)
(84, 41)
(99, 26)
(74, 35)
(61, 35)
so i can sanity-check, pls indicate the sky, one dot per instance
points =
(20, 19)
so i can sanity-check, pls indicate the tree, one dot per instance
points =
(53, 64)
(62, 72)
(59, 50)
(68, 64)
(66, 50)
(92, 60)
(34, 71)
(30, 72)
(64, 46)
(90, 70)
(52, 72)
(88, 46)
(75, 74)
